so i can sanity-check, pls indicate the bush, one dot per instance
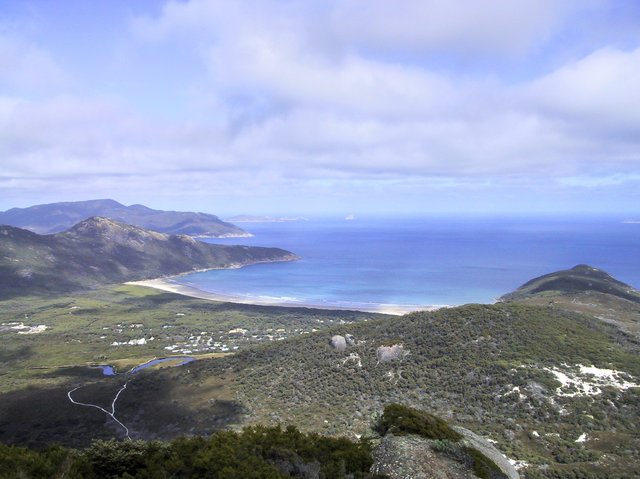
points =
(255, 453)
(483, 467)
(22, 462)
(399, 419)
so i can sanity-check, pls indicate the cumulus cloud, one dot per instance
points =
(331, 93)
(306, 80)
(601, 88)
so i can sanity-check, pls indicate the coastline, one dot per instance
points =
(223, 236)
(171, 286)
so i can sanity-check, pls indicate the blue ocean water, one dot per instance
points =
(418, 262)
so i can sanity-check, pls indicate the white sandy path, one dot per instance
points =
(113, 406)
(166, 284)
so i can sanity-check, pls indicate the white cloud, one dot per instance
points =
(465, 27)
(602, 88)
(321, 93)
(25, 66)
(492, 27)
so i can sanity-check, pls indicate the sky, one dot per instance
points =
(413, 107)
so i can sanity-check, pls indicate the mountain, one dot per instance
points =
(579, 279)
(100, 250)
(57, 217)
(585, 290)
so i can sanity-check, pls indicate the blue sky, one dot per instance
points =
(323, 107)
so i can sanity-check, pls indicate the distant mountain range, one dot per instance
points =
(99, 250)
(57, 217)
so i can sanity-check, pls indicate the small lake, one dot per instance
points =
(109, 370)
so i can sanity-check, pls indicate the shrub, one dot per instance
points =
(399, 419)
(483, 467)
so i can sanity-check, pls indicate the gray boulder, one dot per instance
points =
(390, 353)
(339, 343)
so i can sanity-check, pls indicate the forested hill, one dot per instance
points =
(99, 250)
(579, 279)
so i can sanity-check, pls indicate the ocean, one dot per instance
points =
(414, 263)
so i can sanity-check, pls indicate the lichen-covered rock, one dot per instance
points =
(412, 457)
(337, 342)
(390, 353)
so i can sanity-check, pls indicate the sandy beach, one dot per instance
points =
(169, 285)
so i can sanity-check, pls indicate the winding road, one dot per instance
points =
(113, 407)
(112, 414)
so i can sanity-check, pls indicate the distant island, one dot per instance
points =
(57, 217)
(265, 219)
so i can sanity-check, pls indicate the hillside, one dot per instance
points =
(100, 250)
(586, 290)
(579, 279)
(555, 390)
(433, 449)
(57, 217)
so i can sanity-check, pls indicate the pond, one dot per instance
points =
(109, 370)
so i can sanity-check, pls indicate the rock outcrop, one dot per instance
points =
(338, 342)
(412, 457)
(390, 353)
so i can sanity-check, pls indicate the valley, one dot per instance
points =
(554, 390)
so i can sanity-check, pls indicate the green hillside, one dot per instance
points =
(99, 251)
(555, 390)
(585, 290)
(488, 368)
(491, 369)
(579, 279)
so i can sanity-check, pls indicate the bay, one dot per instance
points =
(417, 262)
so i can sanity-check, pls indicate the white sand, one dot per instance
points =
(589, 380)
(167, 284)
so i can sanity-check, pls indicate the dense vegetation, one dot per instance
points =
(487, 368)
(579, 279)
(400, 419)
(100, 251)
(256, 452)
